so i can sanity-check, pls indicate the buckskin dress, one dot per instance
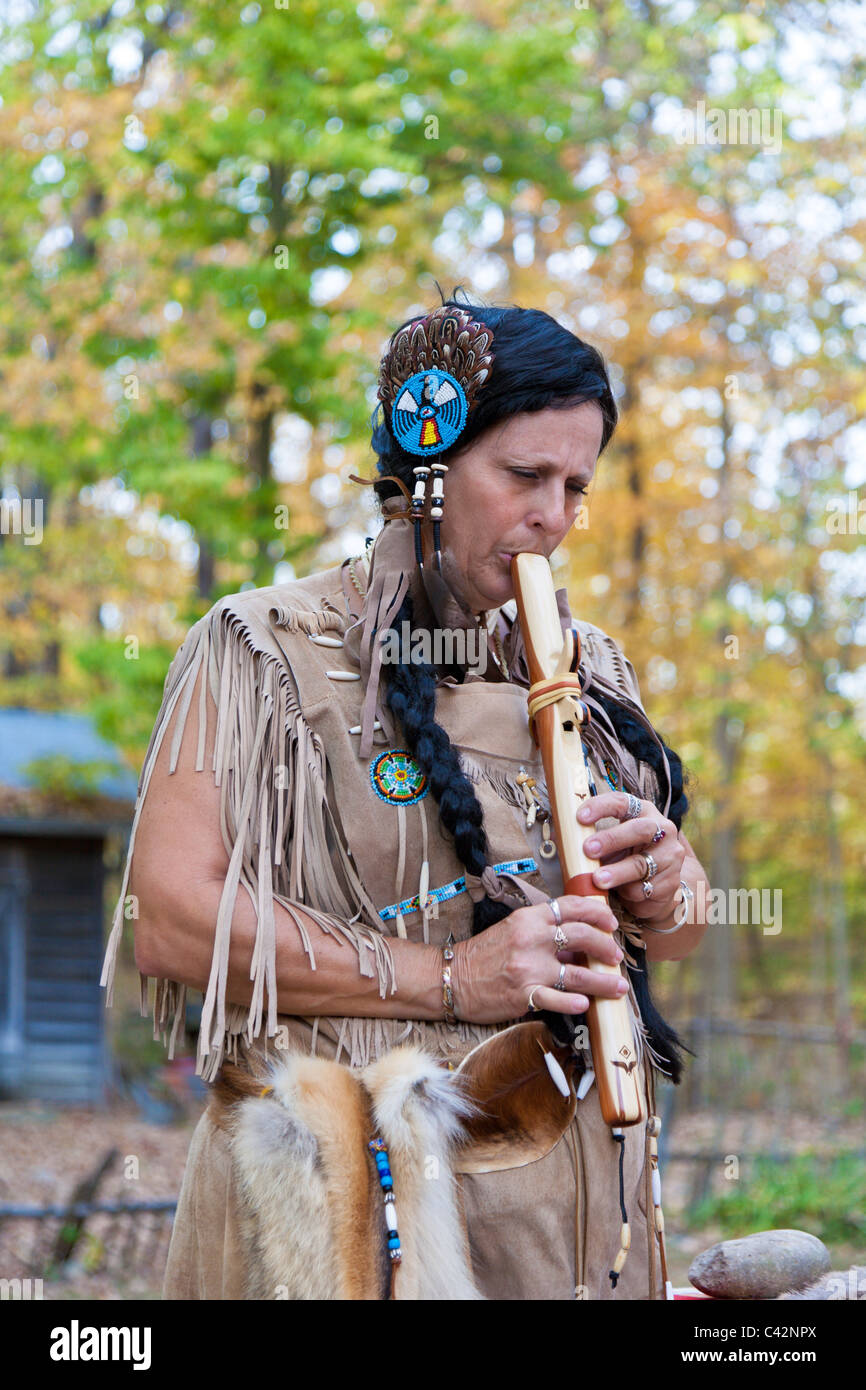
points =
(295, 754)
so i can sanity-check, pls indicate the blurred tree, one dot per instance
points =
(214, 215)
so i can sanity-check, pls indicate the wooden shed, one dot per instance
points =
(63, 790)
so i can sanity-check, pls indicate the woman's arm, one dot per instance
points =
(177, 876)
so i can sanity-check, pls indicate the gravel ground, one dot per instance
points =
(44, 1154)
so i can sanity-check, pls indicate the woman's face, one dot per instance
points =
(518, 487)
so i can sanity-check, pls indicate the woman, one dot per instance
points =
(380, 803)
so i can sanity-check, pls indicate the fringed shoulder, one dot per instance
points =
(610, 666)
(277, 827)
(609, 661)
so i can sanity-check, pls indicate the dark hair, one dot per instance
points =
(538, 365)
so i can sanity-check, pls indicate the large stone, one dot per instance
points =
(764, 1265)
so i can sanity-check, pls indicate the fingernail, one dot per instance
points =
(622, 986)
(618, 956)
(592, 846)
(603, 877)
(585, 814)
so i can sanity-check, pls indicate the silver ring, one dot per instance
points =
(647, 888)
(633, 808)
(560, 984)
(560, 940)
(652, 867)
(659, 835)
(533, 1008)
(554, 907)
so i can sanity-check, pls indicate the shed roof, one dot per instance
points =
(27, 735)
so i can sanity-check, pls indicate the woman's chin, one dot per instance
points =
(499, 590)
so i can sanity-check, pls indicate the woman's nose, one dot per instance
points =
(551, 514)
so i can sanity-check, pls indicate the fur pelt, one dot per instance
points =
(312, 1219)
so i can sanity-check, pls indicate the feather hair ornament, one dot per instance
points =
(429, 380)
(447, 338)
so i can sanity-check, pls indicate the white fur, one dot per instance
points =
(284, 1209)
(417, 1109)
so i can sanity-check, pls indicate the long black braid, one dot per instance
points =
(411, 697)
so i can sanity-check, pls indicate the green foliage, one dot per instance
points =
(162, 312)
(825, 1196)
(66, 778)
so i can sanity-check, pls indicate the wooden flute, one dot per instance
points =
(556, 712)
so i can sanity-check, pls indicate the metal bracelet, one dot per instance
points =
(447, 990)
(688, 895)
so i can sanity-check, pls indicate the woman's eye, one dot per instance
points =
(579, 491)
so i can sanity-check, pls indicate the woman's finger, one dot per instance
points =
(626, 835)
(578, 979)
(556, 1001)
(582, 937)
(628, 871)
(575, 909)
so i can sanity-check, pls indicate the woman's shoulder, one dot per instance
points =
(601, 652)
(312, 604)
(321, 592)
(254, 627)
(608, 658)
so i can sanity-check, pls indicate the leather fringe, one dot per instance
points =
(259, 724)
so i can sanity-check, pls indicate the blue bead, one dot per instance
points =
(394, 1243)
(387, 1181)
(381, 1158)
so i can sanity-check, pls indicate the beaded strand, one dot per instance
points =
(379, 1151)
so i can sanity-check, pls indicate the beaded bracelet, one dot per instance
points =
(447, 991)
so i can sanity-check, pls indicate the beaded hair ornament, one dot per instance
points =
(429, 380)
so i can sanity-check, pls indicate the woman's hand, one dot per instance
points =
(494, 972)
(623, 851)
